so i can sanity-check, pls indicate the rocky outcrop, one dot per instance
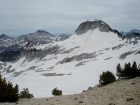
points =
(8, 56)
(6, 40)
(78, 57)
(91, 25)
(40, 36)
(70, 50)
(5, 37)
(124, 55)
(52, 74)
(62, 37)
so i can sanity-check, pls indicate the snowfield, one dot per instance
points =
(74, 79)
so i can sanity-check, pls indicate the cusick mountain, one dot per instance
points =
(41, 61)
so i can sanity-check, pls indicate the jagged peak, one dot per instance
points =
(5, 36)
(91, 25)
(41, 31)
(131, 32)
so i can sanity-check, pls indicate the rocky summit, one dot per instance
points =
(91, 25)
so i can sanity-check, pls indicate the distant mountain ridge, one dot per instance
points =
(30, 40)
(3, 36)
(134, 31)
(34, 41)
(40, 36)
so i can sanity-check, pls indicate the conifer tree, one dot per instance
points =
(134, 69)
(127, 70)
(119, 70)
(139, 70)
(106, 78)
(8, 93)
(56, 92)
(25, 93)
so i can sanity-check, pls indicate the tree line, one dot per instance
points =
(129, 71)
(10, 93)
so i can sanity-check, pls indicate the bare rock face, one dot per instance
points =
(40, 36)
(91, 25)
(62, 37)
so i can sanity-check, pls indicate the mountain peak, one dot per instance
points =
(91, 25)
(134, 31)
(130, 32)
(5, 36)
(41, 31)
(40, 36)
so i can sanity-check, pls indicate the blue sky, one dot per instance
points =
(20, 17)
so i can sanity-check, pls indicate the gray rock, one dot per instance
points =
(138, 52)
(32, 67)
(124, 55)
(117, 47)
(91, 25)
(40, 36)
(8, 68)
(80, 64)
(78, 58)
(52, 74)
(10, 71)
(16, 74)
(108, 58)
(51, 67)
(6, 40)
(62, 37)
(70, 50)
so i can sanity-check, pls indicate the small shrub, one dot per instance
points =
(75, 98)
(80, 101)
(56, 92)
(111, 104)
(25, 94)
(106, 78)
(16, 103)
(129, 99)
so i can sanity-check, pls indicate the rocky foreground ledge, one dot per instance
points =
(122, 92)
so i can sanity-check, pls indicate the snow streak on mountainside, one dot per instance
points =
(74, 64)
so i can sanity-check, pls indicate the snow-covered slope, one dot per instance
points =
(74, 64)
